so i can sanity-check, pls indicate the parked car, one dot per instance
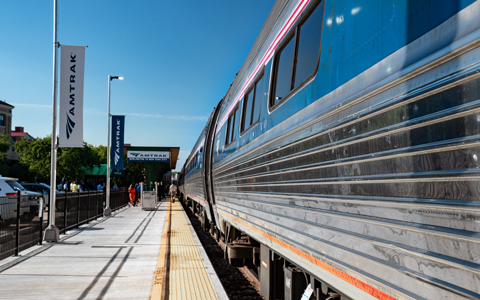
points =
(8, 188)
(38, 187)
(8, 206)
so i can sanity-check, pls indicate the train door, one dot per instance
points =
(208, 161)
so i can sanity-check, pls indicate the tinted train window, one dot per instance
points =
(231, 132)
(283, 82)
(252, 104)
(237, 123)
(227, 132)
(257, 100)
(308, 51)
(297, 58)
(247, 110)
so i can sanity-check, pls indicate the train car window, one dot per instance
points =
(231, 132)
(247, 110)
(252, 104)
(257, 100)
(284, 67)
(298, 58)
(309, 34)
(236, 123)
(227, 131)
(232, 127)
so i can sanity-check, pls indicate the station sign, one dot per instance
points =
(152, 156)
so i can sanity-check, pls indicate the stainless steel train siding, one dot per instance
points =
(192, 180)
(375, 185)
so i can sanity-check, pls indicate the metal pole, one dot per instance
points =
(107, 212)
(88, 210)
(78, 209)
(51, 233)
(65, 224)
(41, 224)
(17, 226)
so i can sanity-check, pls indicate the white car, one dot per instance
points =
(8, 207)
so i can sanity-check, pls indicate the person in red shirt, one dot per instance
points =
(131, 192)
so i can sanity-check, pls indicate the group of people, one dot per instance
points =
(76, 186)
(133, 189)
(134, 192)
(81, 186)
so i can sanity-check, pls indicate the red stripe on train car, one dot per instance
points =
(266, 57)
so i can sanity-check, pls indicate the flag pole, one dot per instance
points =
(51, 232)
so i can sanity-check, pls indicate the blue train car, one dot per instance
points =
(345, 153)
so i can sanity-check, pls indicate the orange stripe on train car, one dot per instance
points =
(348, 278)
(196, 198)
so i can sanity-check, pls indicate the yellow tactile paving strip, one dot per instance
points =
(188, 278)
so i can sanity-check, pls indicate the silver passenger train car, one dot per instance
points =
(345, 154)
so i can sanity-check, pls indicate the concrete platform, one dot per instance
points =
(113, 258)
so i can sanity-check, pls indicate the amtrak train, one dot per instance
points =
(344, 159)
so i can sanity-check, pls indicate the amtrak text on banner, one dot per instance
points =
(72, 65)
(118, 129)
(154, 156)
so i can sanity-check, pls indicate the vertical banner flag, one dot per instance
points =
(118, 130)
(72, 65)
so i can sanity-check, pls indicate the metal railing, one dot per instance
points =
(21, 224)
(75, 209)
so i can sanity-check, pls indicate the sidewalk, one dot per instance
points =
(113, 258)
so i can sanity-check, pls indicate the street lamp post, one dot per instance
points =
(107, 212)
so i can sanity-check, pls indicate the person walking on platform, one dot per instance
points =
(139, 194)
(161, 190)
(173, 192)
(131, 192)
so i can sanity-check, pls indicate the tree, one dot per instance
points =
(36, 156)
(74, 162)
(101, 152)
(71, 162)
(4, 146)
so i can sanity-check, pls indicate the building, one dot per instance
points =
(5, 117)
(19, 133)
(16, 136)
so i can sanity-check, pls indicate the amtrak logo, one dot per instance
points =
(70, 125)
(159, 156)
(117, 157)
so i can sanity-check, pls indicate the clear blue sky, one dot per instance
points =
(178, 59)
